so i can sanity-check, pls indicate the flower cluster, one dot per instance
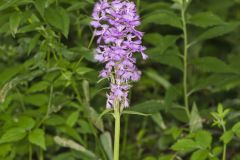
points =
(115, 25)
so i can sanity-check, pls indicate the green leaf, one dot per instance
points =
(178, 112)
(14, 22)
(205, 19)
(8, 73)
(5, 5)
(200, 155)
(134, 112)
(227, 137)
(236, 129)
(36, 99)
(157, 118)
(73, 145)
(167, 157)
(13, 135)
(107, 144)
(72, 119)
(106, 111)
(148, 107)
(37, 87)
(5, 149)
(158, 78)
(203, 139)
(195, 121)
(58, 18)
(164, 17)
(161, 42)
(184, 145)
(26, 123)
(40, 6)
(33, 43)
(93, 115)
(212, 64)
(170, 57)
(83, 70)
(37, 137)
(217, 31)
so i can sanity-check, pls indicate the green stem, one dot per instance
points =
(185, 61)
(30, 152)
(224, 144)
(224, 151)
(117, 134)
(138, 5)
(91, 40)
(124, 144)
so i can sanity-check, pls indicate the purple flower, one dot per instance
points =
(118, 40)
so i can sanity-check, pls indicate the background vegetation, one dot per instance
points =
(51, 96)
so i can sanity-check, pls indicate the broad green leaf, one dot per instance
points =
(72, 119)
(93, 115)
(37, 137)
(106, 141)
(158, 78)
(164, 17)
(184, 145)
(33, 43)
(148, 107)
(195, 121)
(227, 136)
(13, 135)
(5, 5)
(37, 87)
(58, 18)
(5, 149)
(203, 139)
(178, 112)
(157, 118)
(14, 22)
(36, 99)
(161, 42)
(167, 157)
(73, 145)
(8, 73)
(236, 129)
(40, 6)
(170, 57)
(172, 94)
(26, 123)
(212, 64)
(205, 19)
(217, 150)
(217, 31)
(200, 155)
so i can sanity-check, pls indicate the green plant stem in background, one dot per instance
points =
(138, 5)
(117, 117)
(224, 145)
(185, 60)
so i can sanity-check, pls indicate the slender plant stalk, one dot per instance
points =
(117, 116)
(138, 5)
(224, 145)
(30, 152)
(185, 60)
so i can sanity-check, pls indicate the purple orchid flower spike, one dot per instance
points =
(118, 40)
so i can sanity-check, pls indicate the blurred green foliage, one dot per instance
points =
(51, 96)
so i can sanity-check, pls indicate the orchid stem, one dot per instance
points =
(117, 117)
